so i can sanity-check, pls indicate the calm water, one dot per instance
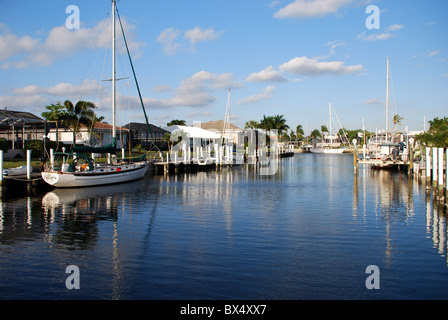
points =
(308, 232)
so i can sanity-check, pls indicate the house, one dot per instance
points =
(140, 135)
(198, 136)
(225, 129)
(16, 127)
(99, 135)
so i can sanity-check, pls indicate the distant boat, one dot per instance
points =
(18, 171)
(332, 146)
(78, 170)
(328, 150)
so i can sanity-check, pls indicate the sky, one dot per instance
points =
(286, 57)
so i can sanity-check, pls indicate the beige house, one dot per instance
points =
(225, 129)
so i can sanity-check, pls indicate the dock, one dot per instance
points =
(173, 163)
(431, 168)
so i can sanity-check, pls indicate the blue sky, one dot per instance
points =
(277, 56)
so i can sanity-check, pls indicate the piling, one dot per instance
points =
(440, 175)
(1, 167)
(428, 165)
(446, 177)
(52, 158)
(355, 157)
(411, 160)
(434, 166)
(28, 164)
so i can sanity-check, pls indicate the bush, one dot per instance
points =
(4, 145)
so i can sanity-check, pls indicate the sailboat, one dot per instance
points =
(79, 170)
(381, 145)
(332, 147)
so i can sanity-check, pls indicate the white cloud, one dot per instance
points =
(375, 36)
(313, 67)
(374, 102)
(394, 27)
(310, 8)
(60, 43)
(197, 34)
(265, 94)
(433, 53)
(383, 35)
(34, 98)
(267, 75)
(67, 90)
(195, 91)
(168, 38)
(29, 103)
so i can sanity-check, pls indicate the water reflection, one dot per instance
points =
(313, 223)
(436, 223)
(393, 196)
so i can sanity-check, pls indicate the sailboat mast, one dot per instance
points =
(387, 98)
(113, 73)
(331, 138)
(226, 126)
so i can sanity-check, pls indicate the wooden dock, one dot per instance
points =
(186, 165)
(432, 168)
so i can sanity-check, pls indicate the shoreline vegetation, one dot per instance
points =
(71, 116)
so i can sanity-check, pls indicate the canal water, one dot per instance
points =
(310, 231)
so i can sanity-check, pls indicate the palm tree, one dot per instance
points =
(299, 131)
(280, 124)
(267, 123)
(292, 136)
(55, 113)
(99, 119)
(79, 114)
(251, 124)
(437, 135)
(397, 120)
(315, 134)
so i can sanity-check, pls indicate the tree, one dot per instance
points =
(299, 132)
(79, 114)
(176, 122)
(397, 120)
(56, 112)
(251, 124)
(315, 134)
(280, 124)
(323, 129)
(292, 136)
(267, 123)
(437, 134)
(274, 122)
(99, 119)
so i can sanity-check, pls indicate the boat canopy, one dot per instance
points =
(110, 148)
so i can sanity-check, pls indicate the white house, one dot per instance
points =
(99, 135)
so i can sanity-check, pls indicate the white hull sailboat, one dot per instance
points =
(99, 176)
(331, 147)
(81, 171)
(327, 150)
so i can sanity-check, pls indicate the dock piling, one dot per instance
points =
(434, 166)
(428, 165)
(1, 166)
(446, 177)
(440, 175)
(28, 164)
